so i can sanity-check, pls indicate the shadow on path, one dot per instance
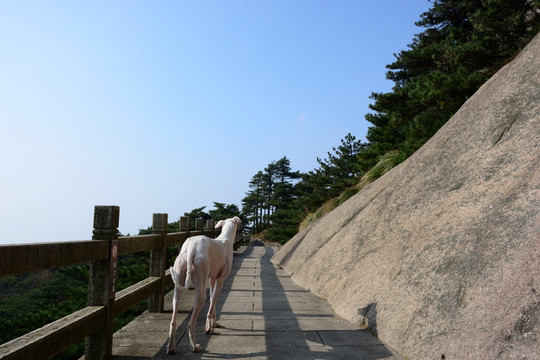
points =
(303, 326)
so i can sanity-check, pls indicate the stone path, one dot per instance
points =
(263, 314)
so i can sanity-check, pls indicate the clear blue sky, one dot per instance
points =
(166, 106)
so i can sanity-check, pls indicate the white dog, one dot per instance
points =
(202, 258)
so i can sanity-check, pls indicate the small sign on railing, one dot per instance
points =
(113, 268)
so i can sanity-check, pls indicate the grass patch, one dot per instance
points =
(386, 163)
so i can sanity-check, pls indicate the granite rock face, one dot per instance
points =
(441, 255)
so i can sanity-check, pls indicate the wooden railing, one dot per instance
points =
(95, 322)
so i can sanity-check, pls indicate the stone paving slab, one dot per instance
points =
(263, 314)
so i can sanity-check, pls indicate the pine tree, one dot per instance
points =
(223, 211)
(271, 194)
(253, 202)
(336, 173)
(465, 42)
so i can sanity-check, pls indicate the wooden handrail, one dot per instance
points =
(95, 321)
(55, 337)
(26, 258)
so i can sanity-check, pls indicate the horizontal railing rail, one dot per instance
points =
(95, 322)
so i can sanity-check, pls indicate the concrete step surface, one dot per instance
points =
(263, 315)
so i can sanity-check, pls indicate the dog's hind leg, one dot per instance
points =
(178, 276)
(171, 346)
(211, 323)
(201, 269)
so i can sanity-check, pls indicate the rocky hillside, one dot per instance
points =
(441, 256)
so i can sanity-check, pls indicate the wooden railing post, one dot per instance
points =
(185, 223)
(239, 240)
(240, 234)
(158, 259)
(199, 224)
(102, 281)
(184, 226)
(209, 225)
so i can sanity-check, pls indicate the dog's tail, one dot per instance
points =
(175, 276)
(190, 253)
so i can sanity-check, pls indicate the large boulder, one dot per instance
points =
(440, 257)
